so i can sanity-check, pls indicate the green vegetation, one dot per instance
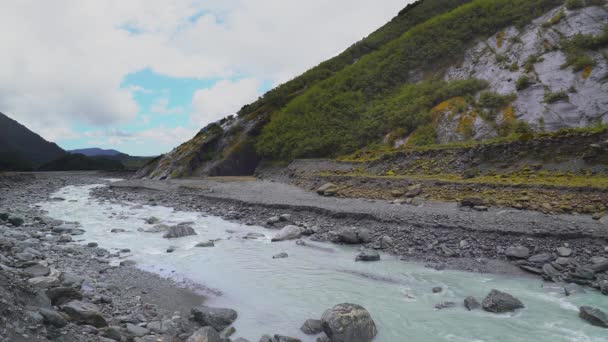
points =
(577, 49)
(552, 97)
(366, 100)
(413, 15)
(556, 19)
(575, 4)
(488, 99)
(523, 82)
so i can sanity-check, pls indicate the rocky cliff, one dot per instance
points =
(440, 72)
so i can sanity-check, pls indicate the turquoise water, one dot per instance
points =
(278, 295)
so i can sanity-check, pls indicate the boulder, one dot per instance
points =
(266, 338)
(351, 236)
(327, 189)
(414, 191)
(312, 327)
(500, 302)
(471, 303)
(16, 221)
(273, 220)
(205, 244)
(111, 332)
(281, 338)
(289, 232)
(368, 256)
(176, 232)
(37, 271)
(218, 318)
(205, 334)
(53, 317)
(517, 252)
(43, 282)
(62, 295)
(564, 252)
(348, 323)
(136, 330)
(85, 313)
(152, 220)
(280, 256)
(541, 258)
(472, 202)
(600, 267)
(594, 316)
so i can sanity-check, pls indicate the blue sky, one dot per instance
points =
(143, 76)
(163, 102)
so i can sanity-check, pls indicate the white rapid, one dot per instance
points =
(278, 295)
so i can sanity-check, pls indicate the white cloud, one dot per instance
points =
(63, 62)
(224, 98)
(161, 106)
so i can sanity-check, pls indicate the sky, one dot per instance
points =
(143, 76)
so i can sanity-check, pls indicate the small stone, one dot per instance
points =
(205, 334)
(471, 303)
(92, 244)
(541, 258)
(205, 244)
(280, 256)
(437, 289)
(500, 302)
(445, 305)
(564, 252)
(312, 327)
(368, 256)
(137, 331)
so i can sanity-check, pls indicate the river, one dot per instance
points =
(278, 295)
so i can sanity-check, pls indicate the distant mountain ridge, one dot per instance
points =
(21, 148)
(95, 151)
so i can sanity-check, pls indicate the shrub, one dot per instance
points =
(523, 82)
(425, 135)
(574, 4)
(551, 97)
(493, 100)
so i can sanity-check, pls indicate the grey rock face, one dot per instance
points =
(348, 323)
(500, 302)
(594, 316)
(176, 232)
(86, 313)
(218, 318)
(206, 334)
(584, 105)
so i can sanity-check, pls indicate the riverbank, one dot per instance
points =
(41, 270)
(438, 234)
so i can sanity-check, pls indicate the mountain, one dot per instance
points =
(91, 152)
(441, 72)
(80, 162)
(22, 149)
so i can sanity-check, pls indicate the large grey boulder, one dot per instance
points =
(500, 302)
(517, 252)
(53, 317)
(289, 232)
(218, 318)
(205, 334)
(178, 232)
(62, 295)
(348, 323)
(351, 236)
(594, 316)
(86, 313)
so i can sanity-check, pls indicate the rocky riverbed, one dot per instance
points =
(55, 288)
